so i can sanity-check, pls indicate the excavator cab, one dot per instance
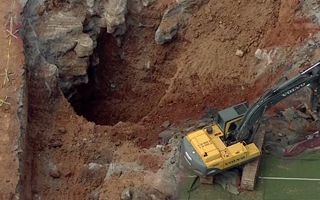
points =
(230, 118)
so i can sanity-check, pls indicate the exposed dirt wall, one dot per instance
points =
(224, 53)
(13, 103)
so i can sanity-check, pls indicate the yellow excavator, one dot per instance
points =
(227, 143)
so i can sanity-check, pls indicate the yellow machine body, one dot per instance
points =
(215, 154)
(206, 150)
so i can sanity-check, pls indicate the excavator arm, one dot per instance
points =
(309, 77)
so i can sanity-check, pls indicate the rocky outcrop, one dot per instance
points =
(61, 42)
(173, 18)
(65, 35)
(114, 16)
(169, 25)
(84, 46)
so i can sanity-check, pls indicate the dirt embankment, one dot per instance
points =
(13, 120)
(201, 69)
(138, 84)
(292, 27)
(142, 81)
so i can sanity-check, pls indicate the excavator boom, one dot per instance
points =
(309, 77)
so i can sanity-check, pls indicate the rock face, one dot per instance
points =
(84, 46)
(65, 33)
(169, 25)
(61, 42)
(114, 15)
(173, 18)
(67, 38)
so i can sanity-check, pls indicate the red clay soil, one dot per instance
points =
(12, 60)
(290, 29)
(140, 84)
(144, 84)
(209, 74)
(151, 83)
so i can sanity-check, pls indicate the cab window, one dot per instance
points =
(232, 127)
(220, 122)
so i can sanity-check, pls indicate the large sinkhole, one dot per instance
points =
(123, 86)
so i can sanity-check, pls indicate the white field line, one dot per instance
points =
(288, 179)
